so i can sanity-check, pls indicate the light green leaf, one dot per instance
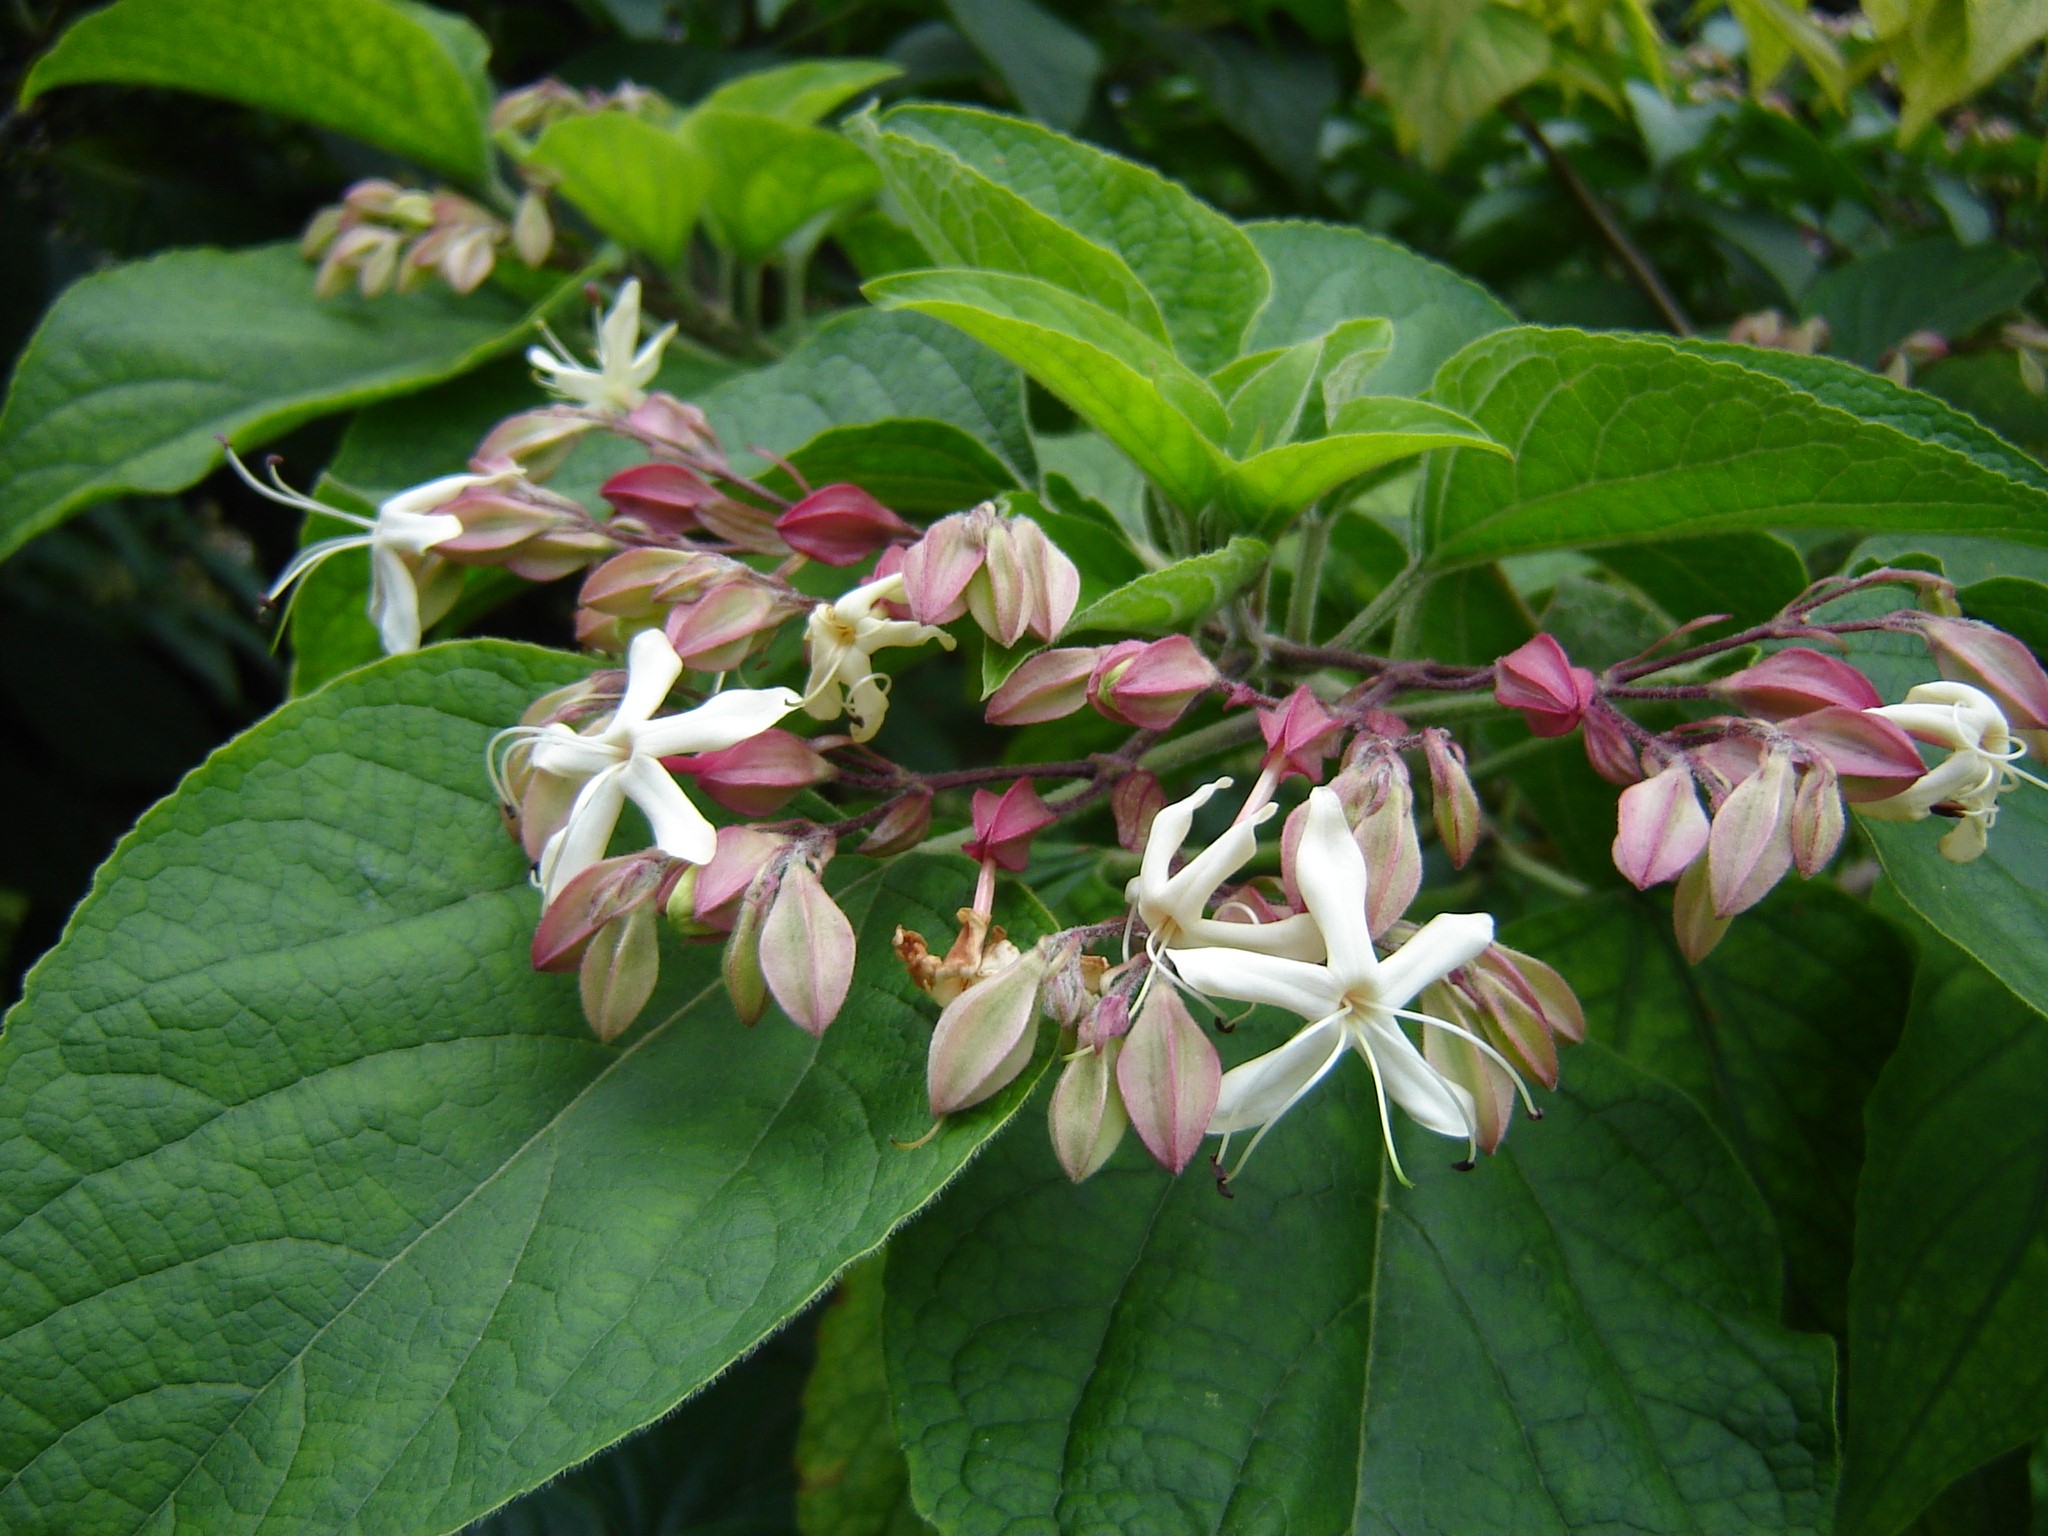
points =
(1170, 601)
(963, 219)
(1201, 268)
(1948, 1301)
(1265, 395)
(1122, 383)
(770, 178)
(853, 1478)
(1943, 51)
(1875, 302)
(1049, 66)
(640, 184)
(326, 1212)
(135, 372)
(1620, 438)
(404, 77)
(1445, 64)
(803, 92)
(1758, 1035)
(1580, 1335)
(870, 366)
(1271, 489)
(1324, 275)
(1353, 354)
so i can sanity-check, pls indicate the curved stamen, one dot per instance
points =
(1379, 1089)
(1294, 1098)
(1463, 1033)
(284, 495)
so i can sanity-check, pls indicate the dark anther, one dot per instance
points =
(1465, 1165)
(1222, 1178)
(1535, 1111)
(1225, 1026)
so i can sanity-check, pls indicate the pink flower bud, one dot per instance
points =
(722, 627)
(984, 1037)
(536, 441)
(1453, 802)
(1541, 984)
(1797, 681)
(607, 890)
(742, 525)
(1873, 756)
(639, 583)
(1749, 848)
(1693, 919)
(1966, 651)
(1660, 828)
(1608, 748)
(840, 525)
(1818, 819)
(1393, 853)
(1005, 824)
(1052, 580)
(1514, 1024)
(707, 898)
(663, 497)
(757, 777)
(1150, 683)
(1003, 570)
(1299, 735)
(903, 827)
(618, 973)
(1086, 1116)
(666, 422)
(1169, 1075)
(1462, 1062)
(1109, 1020)
(1136, 798)
(1539, 680)
(1047, 686)
(807, 949)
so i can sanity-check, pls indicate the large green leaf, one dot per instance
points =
(1324, 274)
(870, 366)
(1760, 1036)
(1748, 576)
(1620, 438)
(638, 183)
(135, 373)
(324, 1212)
(1201, 268)
(1169, 601)
(405, 77)
(1874, 303)
(1579, 1336)
(1128, 387)
(1948, 1304)
(966, 220)
(1049, 66)
(1269, 490)
(771, 177)
(1444, 64)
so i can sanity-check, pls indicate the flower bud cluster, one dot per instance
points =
(382, 236)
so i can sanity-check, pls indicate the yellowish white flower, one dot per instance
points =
(624, 367)
(1967, 783)
(841, 640)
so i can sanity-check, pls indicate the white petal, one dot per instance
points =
(1329, 868)
(561, 751)
(584, 836)
(620, 330)
(1255, 1093)
(1187, 893)
(428, 495)
(1295, 937)
(394, 602)
(1253, 978)
(723, 720)
(680, 830)
(1432, 1101)
(1169, 830)
(1444, 943)
(652, 668)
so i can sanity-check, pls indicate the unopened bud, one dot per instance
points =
(536, 441)
(618, 973)
(1660, 828)
(1540, 982)
(1538, 679)
(1005, 824)
(642, 583)
(1150, 683)
(757, 777)
(1749, 848)
(1608, 748)
(533, 232)
(663, 497)
(596, 897)
(902, 827)
(1135, 799)
(1966, 651)
(1086, 1116)
(1048, 686)
(807, 949)
(840, 525)
(666, 422)
(1693, 920)
(1169, 1076)
(1453, 802)
(721, 628)
(1299, 735)
(1002, 569)
(1797, 681)
(707, 898)
(1110, 1019)
(937, 568)
(745, 982)
(1463, 1063)
(1514, 1024)
(1818, 819)
(984, 1037)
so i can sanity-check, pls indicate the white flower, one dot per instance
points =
(398, 538)
(1967, 783)
(620, 379)
(1174, 906)
(1355, 999)
(620, 762)
(842, 638)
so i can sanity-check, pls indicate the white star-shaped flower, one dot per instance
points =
(624, 367)
(1174, 905)
(842, 638)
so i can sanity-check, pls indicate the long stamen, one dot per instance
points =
(1379, 1089)
(1294, 1098)
(284, 495)
(1463, 1033)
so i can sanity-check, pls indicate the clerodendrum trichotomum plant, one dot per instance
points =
(1222, 696)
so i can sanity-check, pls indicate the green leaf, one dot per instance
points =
(1444, 64)
(1324, 275)
(1127, 386)
(135, 373)
(1049, 66)
(1578, 1336)
(854, 1480)
(1874, 303)
(324, 1211)
(770, 178)
(870, 366)
(966, 220)
(640, 184)
(1169, 601)
(1269, 490)
(802, 92)
(1950, 1290)
(1758, 1035)
(923, 468)
(1203, 270)
(1265, 394)
(1748, 576)
(1620, 438)
(404, 77)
